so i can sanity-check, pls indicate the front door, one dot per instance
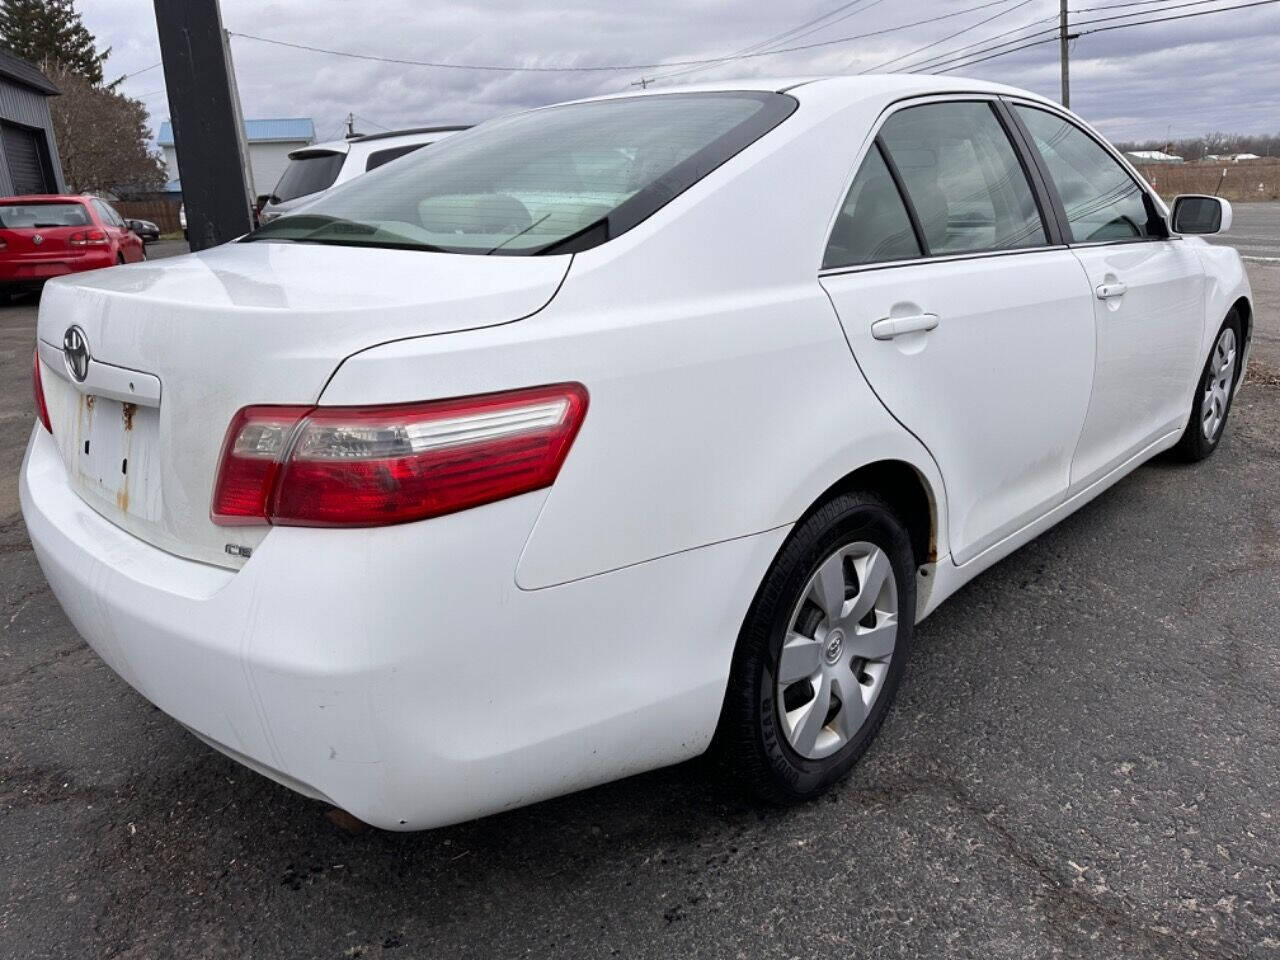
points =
(1148, 298)
(973, 330)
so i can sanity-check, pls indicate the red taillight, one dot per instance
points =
(37, 387)
(369, 466)
(88, 238)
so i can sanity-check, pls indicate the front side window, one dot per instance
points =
(308, 173)
(873, 225)
(108, 215)
(963, 178)
(554, 180)
(1101, 200)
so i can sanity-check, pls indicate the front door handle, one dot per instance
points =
(890, 327)
(1109, 291)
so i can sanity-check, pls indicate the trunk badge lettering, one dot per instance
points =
(238, 551)
(75, 350)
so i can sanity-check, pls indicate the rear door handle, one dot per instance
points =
(890, 327)
(1109, 291)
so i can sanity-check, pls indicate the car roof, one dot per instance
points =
(387, 139)
(47, 198)
(885, 86)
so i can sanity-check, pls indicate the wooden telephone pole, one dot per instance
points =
(1063, 38)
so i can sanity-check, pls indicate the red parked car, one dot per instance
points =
(48, 236)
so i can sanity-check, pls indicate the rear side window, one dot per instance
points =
(379, 157)
(18, 216)
(1102, 201)
(308, 173)
(963, 178)
(873, 225)
(554, 180)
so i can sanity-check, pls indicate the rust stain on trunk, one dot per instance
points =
(129, 410)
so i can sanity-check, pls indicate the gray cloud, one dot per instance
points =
(1185, 77)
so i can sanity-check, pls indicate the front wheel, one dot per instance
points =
(822, 651)
(1214, 394)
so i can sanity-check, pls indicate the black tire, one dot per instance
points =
(1194, 445)
(119, 259)
(750, 742)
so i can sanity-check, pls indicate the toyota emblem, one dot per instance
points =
(75, 350)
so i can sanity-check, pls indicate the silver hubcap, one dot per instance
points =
(836, 654)
(1218, 383)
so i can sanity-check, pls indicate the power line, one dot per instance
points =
(615, 68)
(979, 43)
(143, 70)
(943, 58)
(952, 36)
(793, 33)
(1117, 26)
(1116, 6)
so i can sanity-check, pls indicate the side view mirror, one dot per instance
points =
(1197, 214)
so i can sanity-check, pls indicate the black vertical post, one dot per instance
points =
(204, 115)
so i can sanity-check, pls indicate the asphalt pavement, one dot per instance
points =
(1084, 761)
(1255, 231)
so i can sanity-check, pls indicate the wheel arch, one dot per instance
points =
(907, 491)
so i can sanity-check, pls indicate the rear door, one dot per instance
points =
(1148, 295)
(969, 319)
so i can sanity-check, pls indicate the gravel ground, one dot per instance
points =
(1083, 762)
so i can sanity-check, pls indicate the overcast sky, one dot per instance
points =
(1186, 77)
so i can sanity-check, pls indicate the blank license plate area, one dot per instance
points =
(115, 458)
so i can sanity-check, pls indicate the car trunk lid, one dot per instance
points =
(213, 332)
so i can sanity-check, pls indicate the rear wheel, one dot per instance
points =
(1212, 402)
(822, 651)
(119, 258)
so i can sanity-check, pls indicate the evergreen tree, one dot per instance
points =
(49, 33)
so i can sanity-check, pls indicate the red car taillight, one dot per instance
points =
(88, 238)
(37, 387)
(370, 466)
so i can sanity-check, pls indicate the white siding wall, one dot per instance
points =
(266, 161)
(171, 162)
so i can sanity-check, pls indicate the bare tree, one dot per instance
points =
(103, 138)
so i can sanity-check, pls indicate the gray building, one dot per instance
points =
(28, 151)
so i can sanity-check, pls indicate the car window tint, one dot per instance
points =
(963, 177)
(873, 225)
(1102, 201)
(379, 157)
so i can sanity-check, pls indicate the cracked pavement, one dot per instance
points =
(1084, 761)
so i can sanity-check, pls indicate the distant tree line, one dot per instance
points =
(1196, 148)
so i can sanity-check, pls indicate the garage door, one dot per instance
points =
(24, 150)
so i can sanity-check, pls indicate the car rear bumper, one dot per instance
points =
(399, 672)
(32, 270)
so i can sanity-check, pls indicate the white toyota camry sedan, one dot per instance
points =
(613, 431)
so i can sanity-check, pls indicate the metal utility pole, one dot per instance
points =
(205, 112)
(1062, 53)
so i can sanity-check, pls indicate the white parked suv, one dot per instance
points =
(614, 430)
(319, 167)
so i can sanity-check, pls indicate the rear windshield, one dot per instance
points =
(16, 216)
(554, 180)
(309, 173)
